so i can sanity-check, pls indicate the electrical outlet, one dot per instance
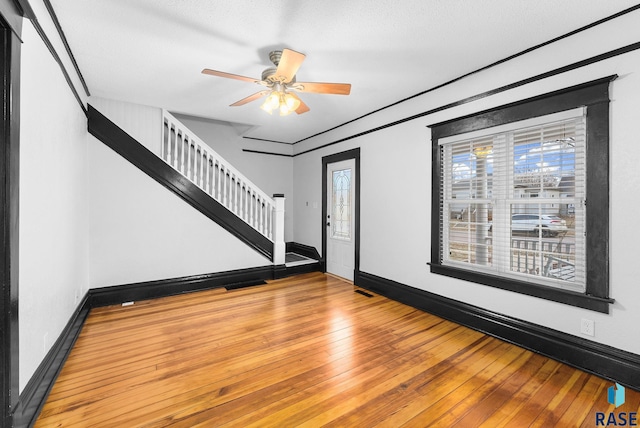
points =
(587, 327)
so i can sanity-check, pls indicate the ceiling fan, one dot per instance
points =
(281, 84)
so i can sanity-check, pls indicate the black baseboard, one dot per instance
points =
(117, 294)
(303, 250)
(602, 360)
(244, 285)
(300, 269)
(35, 393)
(279, 271)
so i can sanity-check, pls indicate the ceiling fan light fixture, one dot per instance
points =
(292, 102)
(281, 100)
(272, 102)
(284, 110)
(266, 108)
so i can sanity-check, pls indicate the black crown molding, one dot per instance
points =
(63, 37)
(570, 67)
(56, 57)
(486, 67)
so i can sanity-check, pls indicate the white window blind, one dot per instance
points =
(513, 200)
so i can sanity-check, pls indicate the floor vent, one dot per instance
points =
(364, 293)
(244, 285)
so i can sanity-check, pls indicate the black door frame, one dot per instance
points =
(337, 157)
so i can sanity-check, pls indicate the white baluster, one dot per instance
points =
(169, 154)
(243, 202)
(261, 217)
(250, 207)
(239, 199)
(256, 212)
(165, 142)
(200, 168)
(183, 165)
(221, 183)
(217, 180)
(225, 187)
(196, 172)
(230, 191)
(176, 150)
(205, 172)
(212, 180)
(191, 161)
(270, 221)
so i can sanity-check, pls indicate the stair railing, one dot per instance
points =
(194, 159)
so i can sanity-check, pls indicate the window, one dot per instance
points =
(341, 204)
(510, 192)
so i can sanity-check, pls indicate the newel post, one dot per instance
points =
(279, 247)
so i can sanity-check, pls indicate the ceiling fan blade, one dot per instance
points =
(249, 98)
(229, 75)
(302, 108)
(324, 88)
(290, 62)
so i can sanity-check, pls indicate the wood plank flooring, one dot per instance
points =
(308, 351)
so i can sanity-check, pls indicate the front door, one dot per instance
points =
(340, 221)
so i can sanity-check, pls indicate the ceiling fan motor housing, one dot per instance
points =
(274, 57)
(270, 72)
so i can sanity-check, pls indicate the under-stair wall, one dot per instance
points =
(141, 231)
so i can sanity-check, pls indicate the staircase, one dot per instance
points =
(200, 176)
(190, 156)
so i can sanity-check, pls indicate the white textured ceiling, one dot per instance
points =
(152, 52)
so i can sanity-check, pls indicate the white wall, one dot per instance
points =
(396, 182)
(273, 174)
(144, 123)
(53, 264)
(140, 231)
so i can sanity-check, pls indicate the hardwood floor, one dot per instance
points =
(308, 351)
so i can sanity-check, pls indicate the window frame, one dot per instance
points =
(594, 96)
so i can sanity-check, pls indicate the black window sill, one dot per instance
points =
(566, 297)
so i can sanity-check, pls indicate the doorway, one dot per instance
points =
(341, 213)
